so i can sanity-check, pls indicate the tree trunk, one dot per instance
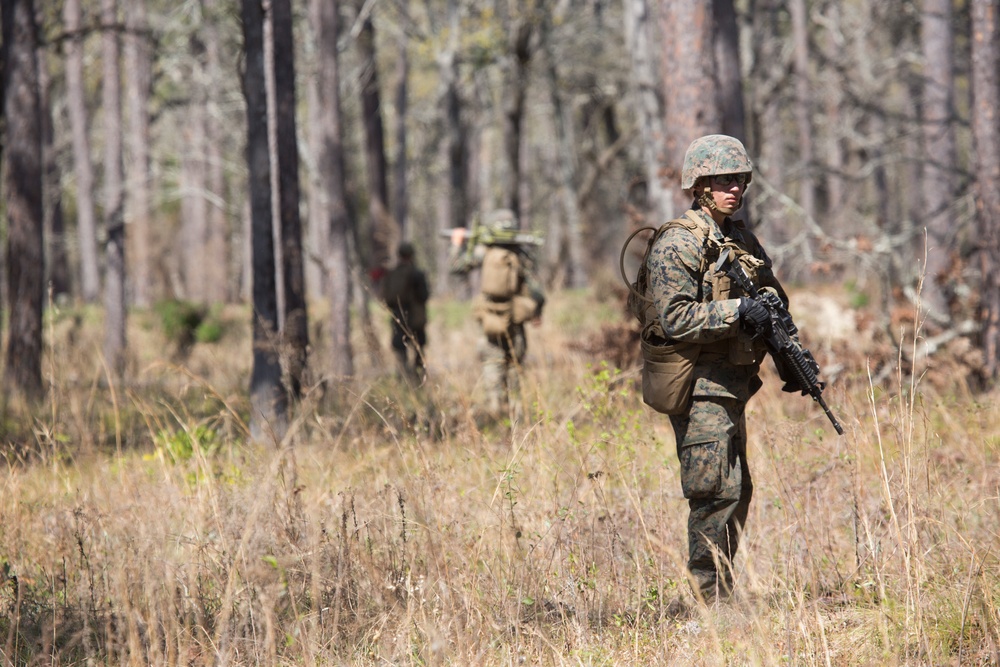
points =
(23, 193)
(986, 139)
(191, 248)
(317, 229)
(400, 204)
(688, 71)
(217, 289)
(330, 164)
(641, 33)
(137, 95)
(86, 219)
(938, 165)
(516, 90)
(114, 200)
(803, 110)
(384, 234)
(295, 333)
(572, 255)
(728, 72)
(269, 404)
(54, 227)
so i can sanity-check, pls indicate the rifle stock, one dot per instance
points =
(796, 365)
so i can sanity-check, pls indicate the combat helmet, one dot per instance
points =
(501, 220)
(714, 154)
(500, 228)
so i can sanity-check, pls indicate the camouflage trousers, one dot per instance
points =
(712, 449)
(501, 358)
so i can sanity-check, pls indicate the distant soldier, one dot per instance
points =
(508, 297)
(708, 334)
(405, 292)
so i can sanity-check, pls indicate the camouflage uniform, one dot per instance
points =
(502, 354)
(711, 437)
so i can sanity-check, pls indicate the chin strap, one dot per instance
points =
(705, 199)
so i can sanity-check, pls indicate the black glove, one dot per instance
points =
(754, 316)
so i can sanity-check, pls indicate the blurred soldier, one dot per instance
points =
(405, 292)
(702, 309)
(508, 297)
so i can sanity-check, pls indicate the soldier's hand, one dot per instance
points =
(754, 316)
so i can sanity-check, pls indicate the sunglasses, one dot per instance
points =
(728, 179)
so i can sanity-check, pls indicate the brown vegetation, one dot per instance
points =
(137, 526)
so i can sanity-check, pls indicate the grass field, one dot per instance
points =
(138, 526)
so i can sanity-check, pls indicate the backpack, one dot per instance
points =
(667, 365)
(500, 278)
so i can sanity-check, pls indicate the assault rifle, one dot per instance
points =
(796, 365)
(481, 234)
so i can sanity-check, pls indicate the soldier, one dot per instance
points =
(696, 306)
(405, 292)
(508, 297)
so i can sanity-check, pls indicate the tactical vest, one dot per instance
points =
(713, 286)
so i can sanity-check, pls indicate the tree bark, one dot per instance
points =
(137, 95)
(400, 204)
(938, 165)
(23, 192)
(728, 71)
(384, 235)
(516, 90)
(268, 401)
(295, 333)
(330, 164)
(688, 69)
(114, 194)
(986, 139)
(572, 254)
(86, 218)
(217, 233)
(641, 32)
(803, 106)
(54, 228)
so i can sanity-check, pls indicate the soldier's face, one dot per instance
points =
(727, 190)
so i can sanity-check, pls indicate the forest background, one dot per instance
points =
(200, 197)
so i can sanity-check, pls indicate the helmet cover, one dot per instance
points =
(502, 220)
(712, 155)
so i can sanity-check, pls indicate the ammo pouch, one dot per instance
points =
(667, 372)
(496, 317)
(523, 309)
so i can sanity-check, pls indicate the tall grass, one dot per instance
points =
(396, 526)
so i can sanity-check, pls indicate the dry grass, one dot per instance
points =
(138, 526)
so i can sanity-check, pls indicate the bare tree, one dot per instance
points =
(23, 193)
(938, 164)
(114, 193)
(86, 219)
(269, 403)
(295, 332)
(986, 134)
(330, 165)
